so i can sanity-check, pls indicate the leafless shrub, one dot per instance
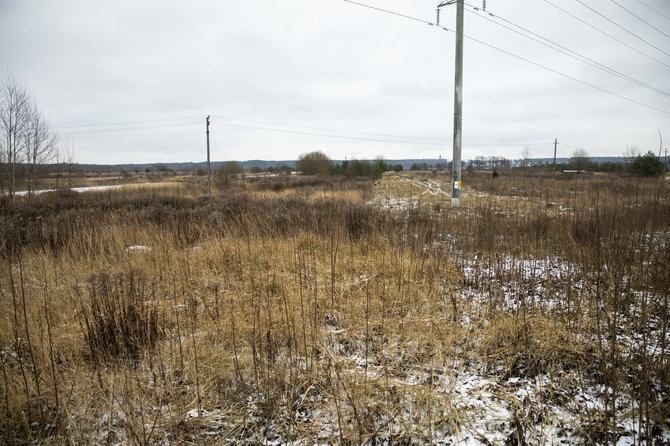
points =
(258, 314)
(120, 322)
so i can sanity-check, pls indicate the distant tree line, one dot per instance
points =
(318, 163)
(635, 163)
(490, 163)
(647, 165)
(358, 168)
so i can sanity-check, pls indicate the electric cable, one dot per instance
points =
(392, 12)
(622, 27)
(575, 145)
(567, 76)
(437, 141)
(509, 53)
(384, 135)
(638, 17)
(127, 122)
(128, 129)
(562, 49)
(607, 34)
(215, 120)
(655, 10)
(353, 138)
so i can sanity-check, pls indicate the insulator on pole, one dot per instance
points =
(438, 16)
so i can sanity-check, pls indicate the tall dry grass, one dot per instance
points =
(285, 310)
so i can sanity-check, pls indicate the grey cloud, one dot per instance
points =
(325, 64)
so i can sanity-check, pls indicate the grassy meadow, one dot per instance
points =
(306, 310)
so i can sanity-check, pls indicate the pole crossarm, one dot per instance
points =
(446, 3)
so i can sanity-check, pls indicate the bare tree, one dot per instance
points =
(2, 172)
(499, 162)
(41, 147)
(313, 163)
(525, 157)
(64, 160)
(223, 176)
(26, 140)
(631, 153)
(480, 163)
(15, 111)
(580, 160)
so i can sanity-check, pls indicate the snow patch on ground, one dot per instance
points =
(139, 248)
(75, 189)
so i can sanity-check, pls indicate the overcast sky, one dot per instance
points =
(132, 81)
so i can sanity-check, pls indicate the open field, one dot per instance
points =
(287, 310)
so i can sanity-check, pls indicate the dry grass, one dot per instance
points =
(288, 310)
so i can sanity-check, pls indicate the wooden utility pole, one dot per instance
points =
(555, 145)
(209, 171)
(458, 103)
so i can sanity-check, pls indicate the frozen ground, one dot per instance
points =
(389, 395)
(75, 189)
(458, 400)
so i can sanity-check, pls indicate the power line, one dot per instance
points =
(655, 10)
(127, 129)
(406, 139)
(392, 13)
(384, 135)
(506, 144)
(562, 49)
(576, 145)
(622, 27)
(354, 138)
(509, 53)
(441, 143)
(127, 122)
(638, 17)
(567, 76)
(607, 34)
(437, 141)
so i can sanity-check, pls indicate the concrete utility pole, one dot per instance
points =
(458, 103)
(555, 145)
(209, 171)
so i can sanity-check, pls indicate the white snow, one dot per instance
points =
(139, 248)
(75, 189)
